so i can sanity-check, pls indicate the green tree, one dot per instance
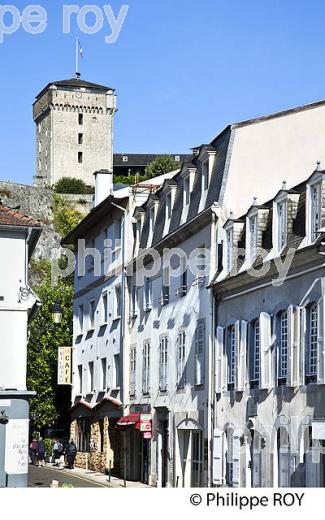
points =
(52, 402)
(161, 165)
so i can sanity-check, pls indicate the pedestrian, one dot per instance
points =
(32, 455)
(41, 452)
(71, 452)
(33, 450)
(57, 451)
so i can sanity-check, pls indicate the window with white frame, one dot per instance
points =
(199, 353)
(80, 378)
(92, 311)
(105, 307)
(90, 377)
(116, 370)
(252, 237)
(181, 359)
(282, 225)
(283, 346)
(117, 302)
(255, 361)
(315, 196)
(133, 358)
(231, 355)
(147, 294)
(80, 318)
(117, 246)
(168, 206)
(311, 353)
(146, 367)
(104, 373)
(134, 301)
(229, 248)
(163, 363)
(165, 286)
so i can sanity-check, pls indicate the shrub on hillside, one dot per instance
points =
(72, 185)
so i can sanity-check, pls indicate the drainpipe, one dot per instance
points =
(211, 369)
(122, 324)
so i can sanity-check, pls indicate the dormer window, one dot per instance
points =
(315, 196)
(125, 158)
(186, 197)
(281, 225)
(205, 176)
(229, 243)
(151, 224)
(168, 206)
(252, 242)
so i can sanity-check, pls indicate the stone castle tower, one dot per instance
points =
(74, 131)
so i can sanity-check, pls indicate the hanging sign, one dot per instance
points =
(145, 422)
(64, 366)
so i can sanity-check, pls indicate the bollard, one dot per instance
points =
(55, 484)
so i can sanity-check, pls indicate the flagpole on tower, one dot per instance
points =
(77, 59)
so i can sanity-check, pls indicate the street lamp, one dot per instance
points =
(56, 314)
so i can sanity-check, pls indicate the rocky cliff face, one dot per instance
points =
(38, 203)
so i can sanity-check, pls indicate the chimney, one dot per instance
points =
(103, 185)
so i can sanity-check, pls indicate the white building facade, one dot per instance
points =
(160, 338)
(18, 303)
(269, 427)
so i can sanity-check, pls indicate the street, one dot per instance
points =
(42, 478)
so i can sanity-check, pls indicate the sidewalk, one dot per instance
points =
(100, 478)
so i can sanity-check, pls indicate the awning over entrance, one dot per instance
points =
(133, 419)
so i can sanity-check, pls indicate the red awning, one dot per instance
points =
(133, 419)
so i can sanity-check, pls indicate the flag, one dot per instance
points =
(81, 51)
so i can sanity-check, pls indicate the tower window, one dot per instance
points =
(80, 138)
(81, 119)
(80, 157)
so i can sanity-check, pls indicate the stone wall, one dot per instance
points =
(38, 203)
(95, 459)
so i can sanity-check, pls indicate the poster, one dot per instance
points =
(16, 458)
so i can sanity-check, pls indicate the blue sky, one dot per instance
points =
(183, 70)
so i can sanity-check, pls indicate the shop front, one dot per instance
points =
(135, 432)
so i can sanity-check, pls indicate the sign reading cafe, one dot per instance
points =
(64, 366)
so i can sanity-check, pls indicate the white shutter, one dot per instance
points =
(303, 346)
(218, 467)
(199, 354)
(320, 349)
(265, 350)
(293, 345)
(243, 376)
(237, 354)
(236, 458)
(219, 381)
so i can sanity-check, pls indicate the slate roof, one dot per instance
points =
(75, 83)
(220, 146)
(12, 217)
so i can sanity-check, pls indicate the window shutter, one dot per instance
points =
(320, 353)
(303, 346)
(265, 350)
(199, 357)
(242, 361)
(219, 380)
(293, 345)
(236, 458)
(237, 353)
(218, 467)
(161, 366)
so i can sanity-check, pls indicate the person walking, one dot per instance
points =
(57, 452)
(71, 451)
(33, 451)
(41, 452)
